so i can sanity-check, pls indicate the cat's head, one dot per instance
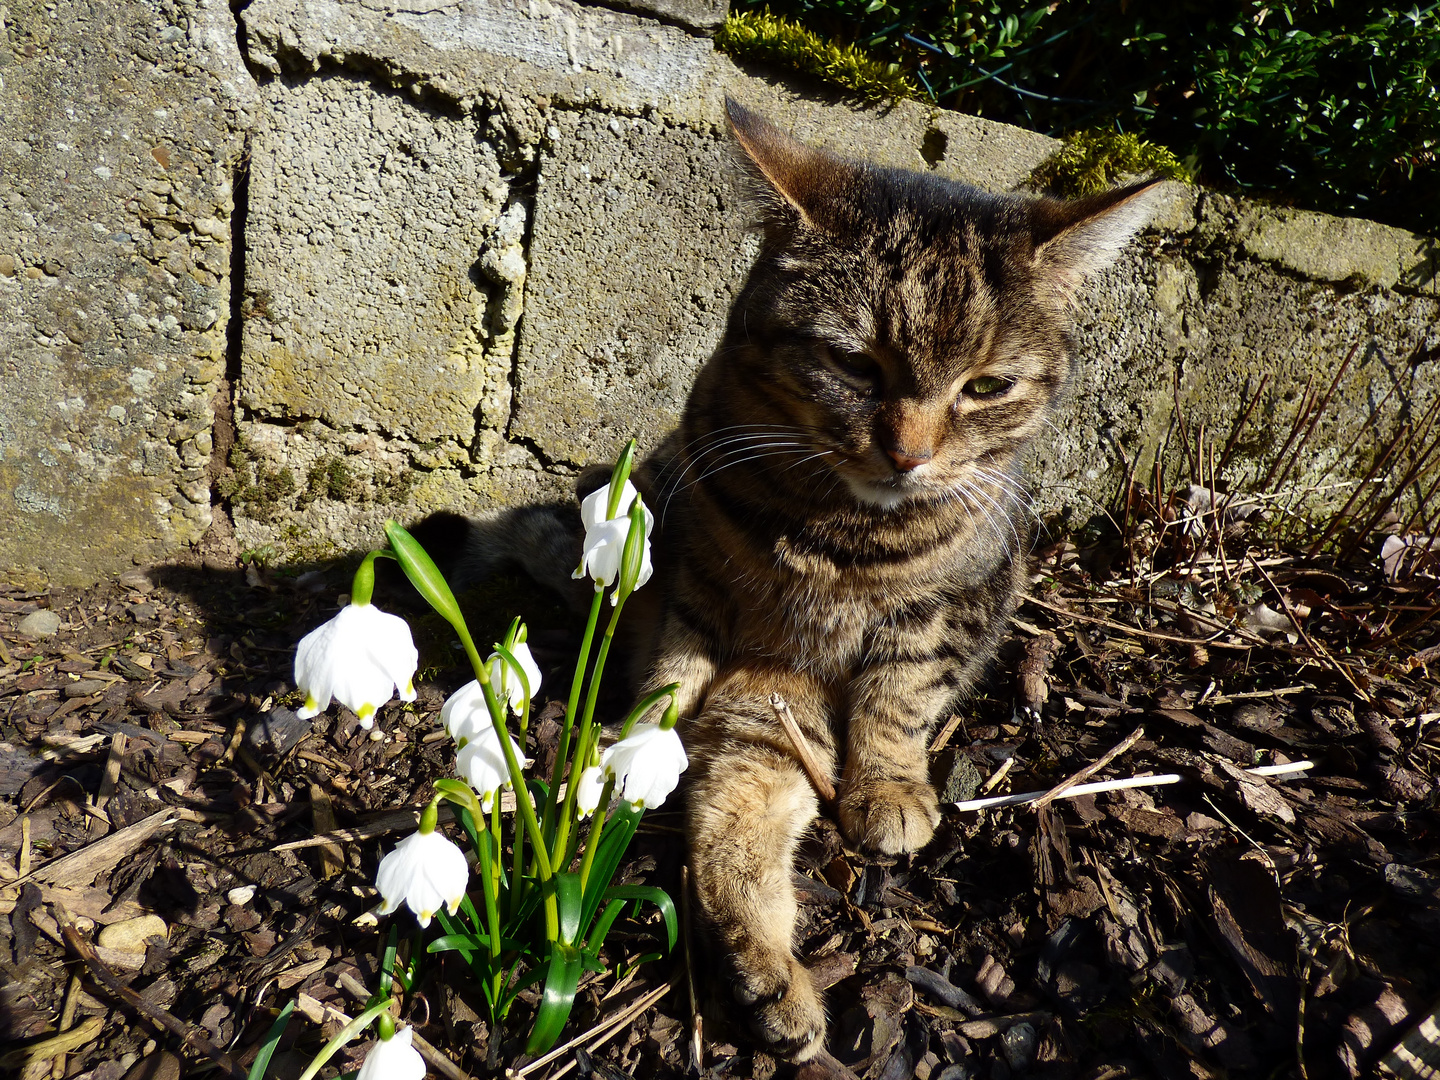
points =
(915, 328)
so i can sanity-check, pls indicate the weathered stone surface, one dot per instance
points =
(1170, 326)
(1329, 248)
(118, 138)
(488, 240)
(703, 15)
(367, 303)
(634, 229)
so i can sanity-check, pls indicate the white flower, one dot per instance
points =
(646, 764)
(360, 658)
(605, 540)
(481, 763)
(594, 505)
(588, 790)
(424, 872)
(465, 713)
(507, 684)
(393, 1058)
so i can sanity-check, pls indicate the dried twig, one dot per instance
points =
(1155, 635)
(189, 1034)
(1154, 780)
(1091, 769)
(823, 787)
(597, 1035)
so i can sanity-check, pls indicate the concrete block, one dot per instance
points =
(120, 127)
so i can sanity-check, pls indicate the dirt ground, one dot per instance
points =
(162, 891)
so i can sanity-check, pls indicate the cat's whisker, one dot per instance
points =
(737, 457)
(1013, 489)
(692, 460)
(1014, 532)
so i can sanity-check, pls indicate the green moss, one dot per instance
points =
(758, 35)
(1095, 159)
(395, 487)
(259, 489)
(330, 478)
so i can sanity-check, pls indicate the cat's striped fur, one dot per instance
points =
(842, 516)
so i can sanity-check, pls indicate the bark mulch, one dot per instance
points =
(163, 891)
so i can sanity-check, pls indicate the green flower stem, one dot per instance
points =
(562, 832)
(362, 586)
(345, 1034)
(517, 872)
(492, 901)
(526, 810)
(648, 702)
(577, 684)
(593, 840)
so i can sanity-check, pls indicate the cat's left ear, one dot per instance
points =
(1077, 238)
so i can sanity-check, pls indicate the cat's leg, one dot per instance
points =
(749, 804)
(886, 802)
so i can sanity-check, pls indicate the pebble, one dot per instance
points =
(41, 624)
(131, 934)
(85, 687)
(242, 895)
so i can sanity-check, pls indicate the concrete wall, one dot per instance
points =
(475, 245)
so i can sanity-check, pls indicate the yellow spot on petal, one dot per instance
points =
(366, 712)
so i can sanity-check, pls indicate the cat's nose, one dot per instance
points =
(906, 460)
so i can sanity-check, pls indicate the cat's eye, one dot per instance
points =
(988, 386)
(851, 363)
(855, 364)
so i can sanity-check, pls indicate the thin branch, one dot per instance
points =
(821, 783)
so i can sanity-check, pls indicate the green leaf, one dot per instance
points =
(619, 829)
(657, 896)
(387, 961)
(272, 1039)
(463, 942)
(569, 900)
(562, 975)
(596, 938)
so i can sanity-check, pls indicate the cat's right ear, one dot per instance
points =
(791, 183)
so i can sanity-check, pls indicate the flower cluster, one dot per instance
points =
(363, 656)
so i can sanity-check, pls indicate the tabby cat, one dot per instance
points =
(841, 514)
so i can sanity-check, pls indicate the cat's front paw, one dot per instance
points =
(783, 1006)
(889, 817)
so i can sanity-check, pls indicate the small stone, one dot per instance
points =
(241, 918)
(41, 624)
(241, 896)
(162, 1065)
(85, 688)
(136, 581)
(142, 612)
(7, 266)
(132, 934)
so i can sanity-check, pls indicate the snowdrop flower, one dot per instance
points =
(393, 1058)
(605, 539)
(646, 764)
(588, 790)
(507, 684)
(465, 714)
(481, 763)
(594, 505)
(425, 871)
(360, 658)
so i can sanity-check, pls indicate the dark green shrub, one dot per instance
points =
(1331, 104)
